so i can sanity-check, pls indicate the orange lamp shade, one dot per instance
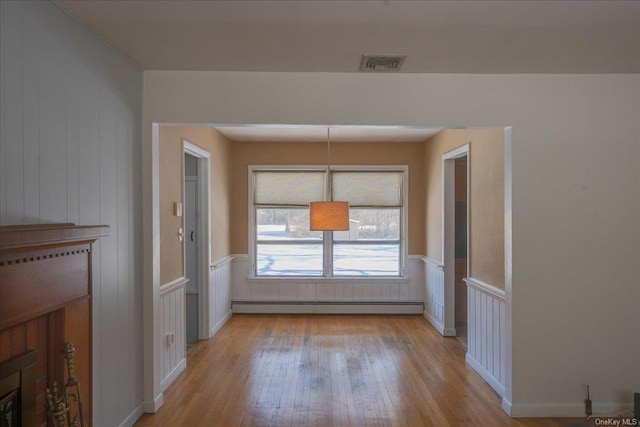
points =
(329, 216)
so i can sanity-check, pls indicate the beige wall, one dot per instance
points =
(171, 190)
(486, 199)
(306, 153)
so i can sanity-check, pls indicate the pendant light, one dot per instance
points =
(329, 216)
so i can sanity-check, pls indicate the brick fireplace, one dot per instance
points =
(45, 300)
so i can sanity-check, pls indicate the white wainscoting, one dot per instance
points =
(486, 332)
(310, 295)
(172, 304)
(220, 293)
(434, 298)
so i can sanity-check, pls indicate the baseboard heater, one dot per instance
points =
(328, 307)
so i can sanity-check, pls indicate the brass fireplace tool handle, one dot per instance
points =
(61, 405)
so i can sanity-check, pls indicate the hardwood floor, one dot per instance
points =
(294, 370)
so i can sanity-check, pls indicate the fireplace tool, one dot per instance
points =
(65, 406)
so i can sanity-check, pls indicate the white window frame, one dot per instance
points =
(328, 235)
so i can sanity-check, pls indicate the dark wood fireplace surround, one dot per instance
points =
(45, 300)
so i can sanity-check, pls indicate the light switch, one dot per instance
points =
(177, 208)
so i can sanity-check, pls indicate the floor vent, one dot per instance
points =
(382, 63)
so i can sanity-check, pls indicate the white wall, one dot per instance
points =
(574, 298)
(69, 152)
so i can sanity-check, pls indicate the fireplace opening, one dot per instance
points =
(9, 409)
(18, 391)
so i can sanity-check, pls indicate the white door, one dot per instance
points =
(191, 256)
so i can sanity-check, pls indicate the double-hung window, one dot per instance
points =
(282, 244)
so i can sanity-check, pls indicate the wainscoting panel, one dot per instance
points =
(309, 295)
(172, 304)
(434, 299)
(486, 332)
(220, 293)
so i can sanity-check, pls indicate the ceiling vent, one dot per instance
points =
(382, 63)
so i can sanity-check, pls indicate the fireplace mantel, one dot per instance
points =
(45, 292)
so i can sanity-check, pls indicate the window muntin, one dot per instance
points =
(284, 245)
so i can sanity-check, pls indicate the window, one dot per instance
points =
(284, 246)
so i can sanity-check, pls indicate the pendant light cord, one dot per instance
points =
(329, 162)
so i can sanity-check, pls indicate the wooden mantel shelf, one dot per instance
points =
(43, 267)
(31, 236)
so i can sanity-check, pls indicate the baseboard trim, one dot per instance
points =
(151, 407)
(327, 307)
(445, 332)
(133, 416)
(169, 379)
(506, 406)
(214, 330)
(493, 382)
(563, 410)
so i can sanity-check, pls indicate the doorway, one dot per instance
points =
(192, 236)
(197, 242)
(460, 292)
(456, 205)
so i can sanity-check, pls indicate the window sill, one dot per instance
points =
(306, 279)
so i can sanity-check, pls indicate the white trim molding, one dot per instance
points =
(328, 307)
(486, 349)
(133, 416)
(180, 282)
(221, 275)
(221, 262)
(486, 288)
(434, 296)
(551, 409)
(508, 268)
(151, 407)
(432, 261)
(173, 375)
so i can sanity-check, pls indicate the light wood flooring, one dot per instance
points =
(294, 370)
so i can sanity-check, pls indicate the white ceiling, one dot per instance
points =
(450, 36)
(540, 36)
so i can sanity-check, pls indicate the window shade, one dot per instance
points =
(288, 188)
(364, 189)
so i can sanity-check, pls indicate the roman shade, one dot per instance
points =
(274, 188)
(368, 189)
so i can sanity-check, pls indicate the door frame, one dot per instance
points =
(203, 246)
(448, 231)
